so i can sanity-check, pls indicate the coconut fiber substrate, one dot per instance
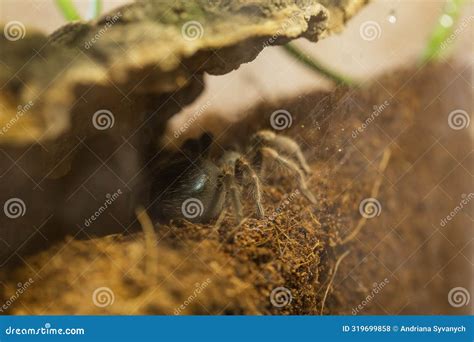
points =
(387, 168)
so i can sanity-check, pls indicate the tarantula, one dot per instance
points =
(194, 186)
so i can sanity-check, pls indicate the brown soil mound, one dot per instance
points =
(306, 259)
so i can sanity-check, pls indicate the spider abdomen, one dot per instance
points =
(187, 190)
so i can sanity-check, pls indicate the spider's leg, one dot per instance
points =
(289, 164)
(221, 216)
(302, 159)
(231, 188)
(245, 165)
(289, 146)
(285, 145)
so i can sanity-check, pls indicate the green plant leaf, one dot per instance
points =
(68, 10)
(316, 66)
(438, 41)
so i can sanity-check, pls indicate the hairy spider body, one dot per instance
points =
(235, 166)
(196, 182)
(197, 189)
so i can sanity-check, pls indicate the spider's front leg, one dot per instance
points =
(283, 145)
(244, 165)
(234, 165)
(273, 154)
(231, 187)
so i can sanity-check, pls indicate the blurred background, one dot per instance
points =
(398, 37)
(425, 178)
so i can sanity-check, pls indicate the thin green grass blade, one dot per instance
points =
(438, 42)
(316, 66)
(68, 10)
